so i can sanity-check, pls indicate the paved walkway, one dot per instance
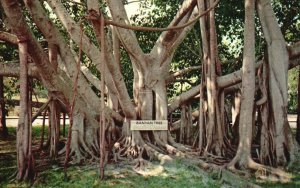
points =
(13, 121)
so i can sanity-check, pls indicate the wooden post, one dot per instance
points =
(189, 125)
(102, 119)
(3, 128)
(43, 130)
(64, 124)
(54, 117)
(298, 111)
(183, 124)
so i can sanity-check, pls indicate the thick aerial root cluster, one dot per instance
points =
(82, 149)
(137, 147)
(79, 151)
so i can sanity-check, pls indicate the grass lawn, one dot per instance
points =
(174, 174)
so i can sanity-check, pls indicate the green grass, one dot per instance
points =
(117, 175)
(174, 175)
(36, 131)
(8, 165)
(120, 175)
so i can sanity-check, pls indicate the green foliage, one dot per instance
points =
(174, 174)
(230, 28)
(287, 13)
(293, 90)
(158, 13)
(127, 71)
(8, 52)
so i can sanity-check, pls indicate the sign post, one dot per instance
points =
(149, 125)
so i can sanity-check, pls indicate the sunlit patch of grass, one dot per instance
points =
(174, 175)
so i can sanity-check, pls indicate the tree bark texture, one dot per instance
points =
(278, 59)
(24, 154)
(243, 154)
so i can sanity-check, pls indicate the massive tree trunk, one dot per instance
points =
(150, 75)
(243, 154)
(277, 57)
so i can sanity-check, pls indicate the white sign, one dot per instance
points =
(149, 125)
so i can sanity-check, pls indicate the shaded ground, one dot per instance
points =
(122, 174)
(8, 156)
(179, 173)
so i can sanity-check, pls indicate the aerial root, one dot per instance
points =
(169, 148)
(140, 162)
(181, 147)
(139, 152)
(223, 175)
(79, 152)
(264, 172)
(261, 171)
(215, 159)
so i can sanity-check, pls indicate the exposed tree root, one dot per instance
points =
(261, 171)
(136, 146)
(147, 145)
(218, 172)
(79, 148)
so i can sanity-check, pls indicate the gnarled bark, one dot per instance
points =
(278, 59)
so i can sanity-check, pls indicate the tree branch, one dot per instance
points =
(235, 77)
(13, 70)
(88, 47)
(169, 40)
(52, 80)
(8, 37)
(182, 72)
(126, 36)
(53, 36)
(229, 81)
(183, 98)
(294, 51)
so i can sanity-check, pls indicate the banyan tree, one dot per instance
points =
(79, 60)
